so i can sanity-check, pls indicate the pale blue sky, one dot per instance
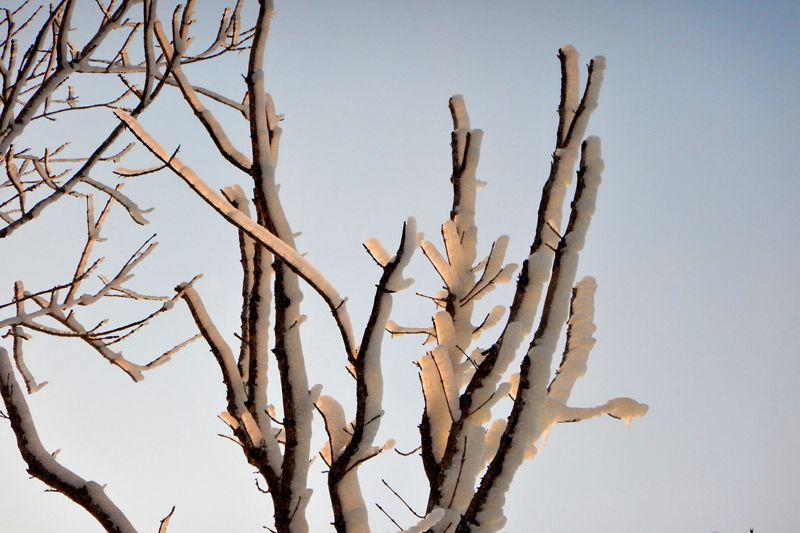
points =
(693, 246)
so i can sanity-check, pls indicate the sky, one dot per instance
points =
(691, 246)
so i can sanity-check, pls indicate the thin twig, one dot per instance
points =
(401, 499)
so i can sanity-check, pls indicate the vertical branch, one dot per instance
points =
(535, 270)
(454, 333)
(92, 235)
(567, 105)
(579, 341)
(19, 336)
(247, 250)
(62, 43)
(573, 366)
(149, 9)
(297, 408)
(522, 426)
(220, 349)
(366, 367)
(536, 267)
(259, 308)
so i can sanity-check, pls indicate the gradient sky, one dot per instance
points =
(693, 245)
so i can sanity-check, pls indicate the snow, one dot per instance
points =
(353, 507)
(626, 409)
(261, 348)
(461, 122)
(492, 319)
(430, 520)
(333, 414)
(494, 273)
(465, 215)
(370, 357)
(573, 83)
(394, 329)
(441, 395)
(445, 331)
(454, 249)
(492, 441)
(252, 429)
(461, 488)
(136, 213)
(531, 424)
(377, 251)
(218, 344)
(580, 341)
(314, 393)
(443, 268)
(226, 417)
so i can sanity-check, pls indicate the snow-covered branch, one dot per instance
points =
(63, 311)
(98, 338)
(206, 118)
(219, 347)
(48, 68)
(294, 260)
(478, 423)
(462, 384)
(347, 451)
(525, 422)
(43, 465)
(45, 84)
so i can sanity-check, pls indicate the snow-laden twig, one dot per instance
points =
(136, 213)
(524, 422)
(19, 336)
(100, 345)
(433, 518)
(580, 341)
(164, 525)
(219, 347)
(573, 366)
(295, 261)
(92, 236)
(350, 512)
(45, 69)
(448, 421)
(457, 443)
(215, 130)
(53, 305)
(394, 330)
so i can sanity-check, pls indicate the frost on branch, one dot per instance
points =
(266, 243)
(488, 402)
(56, 311)
(45, 65)
(348, 505)
(470, 459)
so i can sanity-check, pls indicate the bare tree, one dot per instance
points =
(469, 458)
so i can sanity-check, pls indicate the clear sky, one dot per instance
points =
(697, 306)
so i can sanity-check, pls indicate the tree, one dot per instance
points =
(469, 459)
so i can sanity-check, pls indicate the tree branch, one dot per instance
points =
(43, 466)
